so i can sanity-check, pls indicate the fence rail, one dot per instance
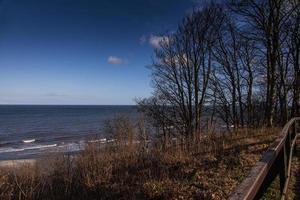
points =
(275, 161)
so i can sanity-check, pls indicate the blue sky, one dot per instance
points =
(81, 51)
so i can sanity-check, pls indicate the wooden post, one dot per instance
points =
(282, 168)
(295, 132)
(288, 144)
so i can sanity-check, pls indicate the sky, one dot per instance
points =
(82, 52)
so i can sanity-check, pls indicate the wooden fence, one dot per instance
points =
(276, 161)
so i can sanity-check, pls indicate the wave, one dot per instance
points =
(71, 147)
(10, 149)
(28, 141)
(40, 146)
(103, 140)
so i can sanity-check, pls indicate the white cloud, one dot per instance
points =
(114, 60)
(156, 41)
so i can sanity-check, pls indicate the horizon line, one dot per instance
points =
(68, 104)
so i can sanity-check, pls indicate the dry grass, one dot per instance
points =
(294, 184)
(207, 169)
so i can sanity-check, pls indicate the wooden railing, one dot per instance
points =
(275, 161)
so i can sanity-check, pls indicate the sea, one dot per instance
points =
(33, 131)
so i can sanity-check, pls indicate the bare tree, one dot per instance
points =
(182, 68)
(265, 21)
(249, 62)
(241, 60)
(229, 72)
(293, 43)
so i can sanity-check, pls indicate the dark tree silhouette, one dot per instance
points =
(181, 70)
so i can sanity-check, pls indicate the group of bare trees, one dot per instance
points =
(272, 25)
(240, 59)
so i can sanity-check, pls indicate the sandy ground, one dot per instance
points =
(17, 163)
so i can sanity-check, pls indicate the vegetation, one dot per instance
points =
(240, 59)
(238, 62)
(294, 185)
(209, 169)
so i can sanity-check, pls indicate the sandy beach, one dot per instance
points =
(17, 163)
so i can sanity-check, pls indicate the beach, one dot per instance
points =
(17, 163)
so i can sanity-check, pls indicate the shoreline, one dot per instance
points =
(17, 163)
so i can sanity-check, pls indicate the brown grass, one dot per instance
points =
(207, 169)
